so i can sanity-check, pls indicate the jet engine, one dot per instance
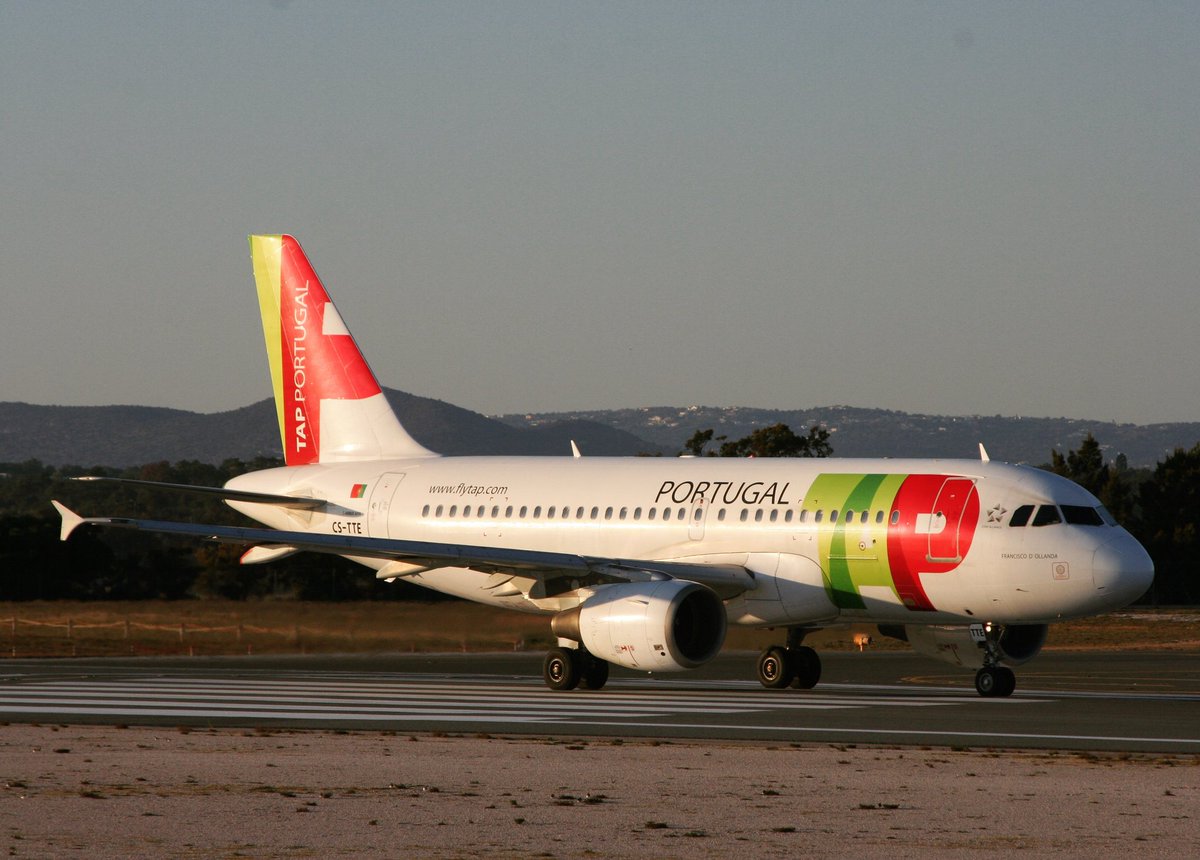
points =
(964, 646)
(662, 626)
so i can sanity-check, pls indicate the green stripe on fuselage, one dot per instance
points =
(853, 552)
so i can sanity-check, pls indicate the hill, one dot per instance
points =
(132, 435)
(856, 432)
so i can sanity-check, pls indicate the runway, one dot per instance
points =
(1146, 702)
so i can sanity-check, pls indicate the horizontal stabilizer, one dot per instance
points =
(281, 501)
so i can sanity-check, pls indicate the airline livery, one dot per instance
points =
(644, 562)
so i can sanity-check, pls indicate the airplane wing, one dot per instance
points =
(727, 580)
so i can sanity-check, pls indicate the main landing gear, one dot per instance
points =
(568, 668)
(993, 681)
(793, 665)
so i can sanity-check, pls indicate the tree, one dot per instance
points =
(699, 440)
(778, 440)
(1114, 485)
(1169, 526)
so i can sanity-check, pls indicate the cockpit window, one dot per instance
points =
(1021, 516)
(1081, 515)
(1108, 518)
(1047, 515)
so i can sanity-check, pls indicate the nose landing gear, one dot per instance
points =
(993, 680)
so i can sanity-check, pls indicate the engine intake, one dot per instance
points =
(663, 626)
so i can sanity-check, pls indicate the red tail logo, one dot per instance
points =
(321, 359)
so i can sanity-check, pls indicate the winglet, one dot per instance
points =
(575, 450)
(70, 519)
(983, 454)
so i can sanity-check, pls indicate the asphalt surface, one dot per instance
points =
(1119, 701)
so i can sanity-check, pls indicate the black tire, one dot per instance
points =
(594, 674)
(1007, 679)
(774, 668)
(807, 665)
(560, 669)
(988, 682)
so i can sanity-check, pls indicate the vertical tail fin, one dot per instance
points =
(329, 404)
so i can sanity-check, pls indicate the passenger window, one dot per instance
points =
(758, 515)
(789, 516)
(524, 511)
(878, 517)
(608, 513)
(666, 514)
(804, 516)
(895, 518)
(495, 511)
(1021, 516)
(1080, 515)
(508, 512)
(721, 515)
(537, 512)
(438, 512)
(849, 516)
(652, 513)
(820, 516)
(595, 513)
(425, 511)
(682, 514)
(579, 513)
(774, 515)
(1047, 515)
(863, 517)
(453, 510)
(833, 515)
(745, 515)
(637, 513)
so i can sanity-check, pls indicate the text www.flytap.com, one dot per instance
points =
(466, 490)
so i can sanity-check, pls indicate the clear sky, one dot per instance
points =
(954, 208)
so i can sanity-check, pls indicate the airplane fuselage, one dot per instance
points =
(887, 541)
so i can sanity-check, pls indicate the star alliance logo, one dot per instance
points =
(996, 514)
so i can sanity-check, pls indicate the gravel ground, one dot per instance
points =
(72, 791)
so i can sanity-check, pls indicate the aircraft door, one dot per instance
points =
(696, 516)
(381, 503)
(946, 519)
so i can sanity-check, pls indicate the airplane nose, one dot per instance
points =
(1122, 570)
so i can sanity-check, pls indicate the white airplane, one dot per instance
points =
(643, 562)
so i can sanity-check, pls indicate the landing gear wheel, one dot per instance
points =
(995, 681)
(1009, 681)
(561, 669)
(807, 665)
(774, 668)
(594, 674)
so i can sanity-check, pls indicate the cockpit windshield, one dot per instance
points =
(1049, 515)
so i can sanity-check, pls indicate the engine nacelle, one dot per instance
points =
(663, 626)
(1018, 643)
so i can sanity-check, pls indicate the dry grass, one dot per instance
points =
(142, 628)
